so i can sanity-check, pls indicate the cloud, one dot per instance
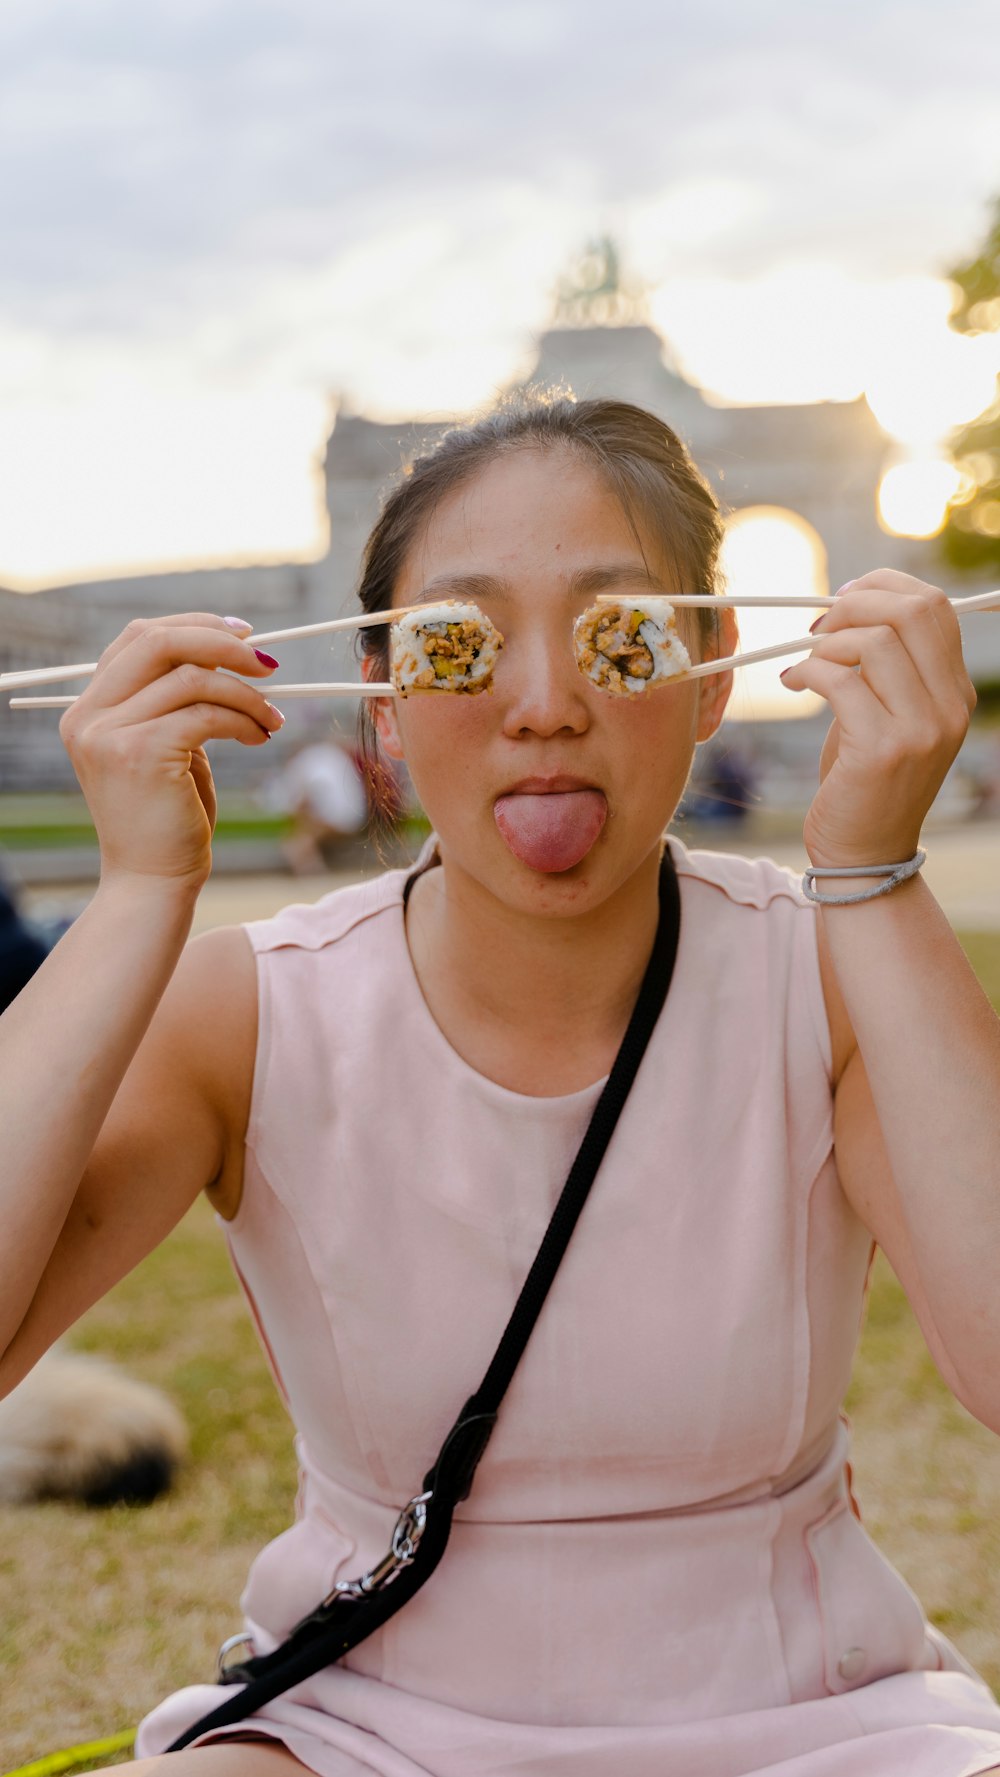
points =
(215, 211)
(186, 147)
(245, 181)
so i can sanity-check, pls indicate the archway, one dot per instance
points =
(771, 550)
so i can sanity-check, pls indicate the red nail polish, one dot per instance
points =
(265, 659)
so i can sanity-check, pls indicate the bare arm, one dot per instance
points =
(917, 1125)
(111, 1107)
(918, 1103)
(115, 1137)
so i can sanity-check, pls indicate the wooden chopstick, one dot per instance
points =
(709, 599)
(361, 620)
(704, 668)
(53, 675)
(375, 689)
(346, 688)
(982, 601)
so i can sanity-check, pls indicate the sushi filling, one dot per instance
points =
(448, 648)
(624, 648)
(451, 653)
(617, 639)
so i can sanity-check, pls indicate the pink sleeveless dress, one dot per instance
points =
(659, 1571)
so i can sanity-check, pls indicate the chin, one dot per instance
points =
(549, 893)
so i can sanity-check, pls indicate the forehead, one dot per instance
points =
(544, 512)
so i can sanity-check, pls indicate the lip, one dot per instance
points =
(548, 786)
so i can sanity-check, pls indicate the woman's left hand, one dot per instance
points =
(899, 720)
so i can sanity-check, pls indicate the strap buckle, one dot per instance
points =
(226, 1673)
(406, 1535)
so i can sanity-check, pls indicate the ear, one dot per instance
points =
(383, 715)
(715, 691)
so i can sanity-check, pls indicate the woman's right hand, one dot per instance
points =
(137, 736)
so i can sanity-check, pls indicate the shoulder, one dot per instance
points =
(742, 882)
(212, 1000)
(763, 884)
(730, 881)
(214, 993)
(315, 925)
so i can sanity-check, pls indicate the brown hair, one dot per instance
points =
(641, 459)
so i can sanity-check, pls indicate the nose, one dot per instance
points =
(544, 692)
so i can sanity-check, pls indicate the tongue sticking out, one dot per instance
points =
(554, 831)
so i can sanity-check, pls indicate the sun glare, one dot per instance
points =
(928, 378)
(768, 550)
(913, 496)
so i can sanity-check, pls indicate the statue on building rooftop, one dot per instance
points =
(594, 293)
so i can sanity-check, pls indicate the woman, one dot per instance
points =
(658, 1569)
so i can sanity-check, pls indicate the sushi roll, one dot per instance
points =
(447, 647)
(626, 648)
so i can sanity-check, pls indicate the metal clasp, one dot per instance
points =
(406, 1535)
(233, 1641)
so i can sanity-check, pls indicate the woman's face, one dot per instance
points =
(548, 792)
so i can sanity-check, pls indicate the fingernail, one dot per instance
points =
(276, 713)
(265, 659)
(845, 588)
(813, 627)
(237, 623)
(783, 676)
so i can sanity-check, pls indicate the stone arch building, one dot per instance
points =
(822, 461)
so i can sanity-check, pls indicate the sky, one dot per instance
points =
(221, 217)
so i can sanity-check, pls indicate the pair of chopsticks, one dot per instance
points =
(51, 675)
(983, 601)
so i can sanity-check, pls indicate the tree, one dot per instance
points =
(971, 537)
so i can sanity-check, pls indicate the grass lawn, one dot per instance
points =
(62, 819)
(104, 1613)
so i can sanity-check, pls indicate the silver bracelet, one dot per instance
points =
(894, 874)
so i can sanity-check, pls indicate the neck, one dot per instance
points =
(539, 1004)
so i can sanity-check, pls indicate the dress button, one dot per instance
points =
(852, 1664)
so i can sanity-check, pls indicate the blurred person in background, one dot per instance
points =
(24, 942)
(22, 947)
(724, 786)
(323, 789)
(987, 805)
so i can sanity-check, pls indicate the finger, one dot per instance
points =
(852, 700)
(201, 771)
(177, 620)
(179, 735)
(924, 619)
(890, 579)
(186, 730)
(186, 685)
(157, 648)
(885, 667)
(920, 723)
(932, 715)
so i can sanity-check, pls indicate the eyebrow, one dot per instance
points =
(627, 573)
(469, 586)
(584, 581)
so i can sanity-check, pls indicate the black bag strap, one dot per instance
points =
(351, 1614)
